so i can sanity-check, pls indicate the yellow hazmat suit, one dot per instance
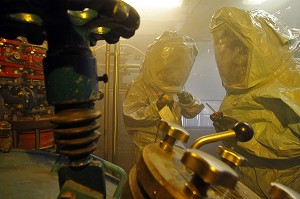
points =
(257, 61)
(157, 91)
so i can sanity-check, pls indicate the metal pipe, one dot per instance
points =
(115, 101)
(118, 170)
(241, 131)
(135, 48)
(213, 138)
(132, 66)
(106, 102)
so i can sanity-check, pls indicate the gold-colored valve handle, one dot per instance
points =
(172, 133)
(242, 132)
(279, 191)
(210, 169)
(231, 158)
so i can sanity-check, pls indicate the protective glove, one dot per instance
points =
(184, 97)
(164, 100)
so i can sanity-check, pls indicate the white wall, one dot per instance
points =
(204, 81)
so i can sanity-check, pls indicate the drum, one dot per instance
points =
(35, 139)
(30, 133)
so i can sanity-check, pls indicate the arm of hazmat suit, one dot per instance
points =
(190, 105)
(257, 61)
(166, 67)
(140, 115)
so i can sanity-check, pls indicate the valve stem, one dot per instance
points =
(76, 134)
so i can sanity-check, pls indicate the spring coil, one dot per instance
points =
(75, 132)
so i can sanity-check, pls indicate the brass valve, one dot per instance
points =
(278, 191)
(242, 132)
(231, 158)
(208, 171)
(172, 132)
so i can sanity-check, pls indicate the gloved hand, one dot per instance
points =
(184, 97)
(164, 100)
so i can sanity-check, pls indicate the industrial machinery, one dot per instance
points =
(168, 171)
(164, 170)
(71, 81)
(23, 93)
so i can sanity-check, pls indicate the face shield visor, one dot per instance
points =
(232, 57)
(174, 68)
(169, 60)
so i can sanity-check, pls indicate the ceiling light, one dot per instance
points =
(253, 2)
(157, 4)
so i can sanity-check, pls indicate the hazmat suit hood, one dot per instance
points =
(250, 46)
(258, 62)
(168, 61)
(166, 67)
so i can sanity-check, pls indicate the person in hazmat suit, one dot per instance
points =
(157, 92)
(258, 62)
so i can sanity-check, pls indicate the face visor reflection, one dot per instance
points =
(174, 70)
(231, 57)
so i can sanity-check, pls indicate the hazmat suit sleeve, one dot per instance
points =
(138, 110)
(140, 116)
